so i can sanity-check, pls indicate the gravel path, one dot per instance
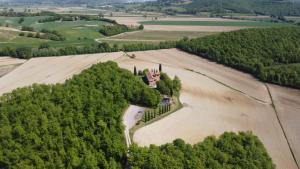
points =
(130, 118)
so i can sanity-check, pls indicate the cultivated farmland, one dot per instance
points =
(191, 23)
(8, 64)
(50, 70)
(215, 98)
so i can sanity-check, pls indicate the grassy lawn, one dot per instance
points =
(73, 30)
(12, 39)
(13, 21)
(215, 23)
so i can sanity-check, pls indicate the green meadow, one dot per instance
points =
(76, 32)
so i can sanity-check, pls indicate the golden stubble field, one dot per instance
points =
(50, 70)
(216, 99)
(8, 64)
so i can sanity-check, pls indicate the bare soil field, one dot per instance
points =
(287, 104)
(7, 64)
(50, 70)
(211, 105)
(134, 21)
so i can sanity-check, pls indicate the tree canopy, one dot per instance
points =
(77, 124)
(230, 150)
(271, 54)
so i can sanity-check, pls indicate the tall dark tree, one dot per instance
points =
(134, 71)
(160, 68)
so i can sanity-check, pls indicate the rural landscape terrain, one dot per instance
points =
(150, 84)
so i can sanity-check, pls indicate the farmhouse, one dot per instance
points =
(153, 76)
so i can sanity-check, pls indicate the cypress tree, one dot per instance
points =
(160, 110)
(148, 115)
(134, 71)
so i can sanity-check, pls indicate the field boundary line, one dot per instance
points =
(281, 126)
(232, 88)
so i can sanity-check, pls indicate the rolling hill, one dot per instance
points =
(265, 7)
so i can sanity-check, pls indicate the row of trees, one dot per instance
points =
(43, 36)
(47, 34)
(74, 50)
(230, 150)
(256, 51)
(69, 17)
(11, 13)
(27, 28)
(153, 113)
(144, 46)
(77, 124)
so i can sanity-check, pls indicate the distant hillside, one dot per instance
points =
(275, 7)
(66, 2)
(267, 7)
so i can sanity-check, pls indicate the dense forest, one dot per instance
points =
(271, 54)
(223, 7)
(77, 124)
(229, 151)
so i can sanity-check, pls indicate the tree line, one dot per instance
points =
(230, 150)
(153, 113)
(77, 124)
(45, 34)
(11, 13)
(270, 54)
(71, 17)
(46, 50)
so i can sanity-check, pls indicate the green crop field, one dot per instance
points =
(215, 23)
(73, 29)
(13, 21)
(76, 32)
